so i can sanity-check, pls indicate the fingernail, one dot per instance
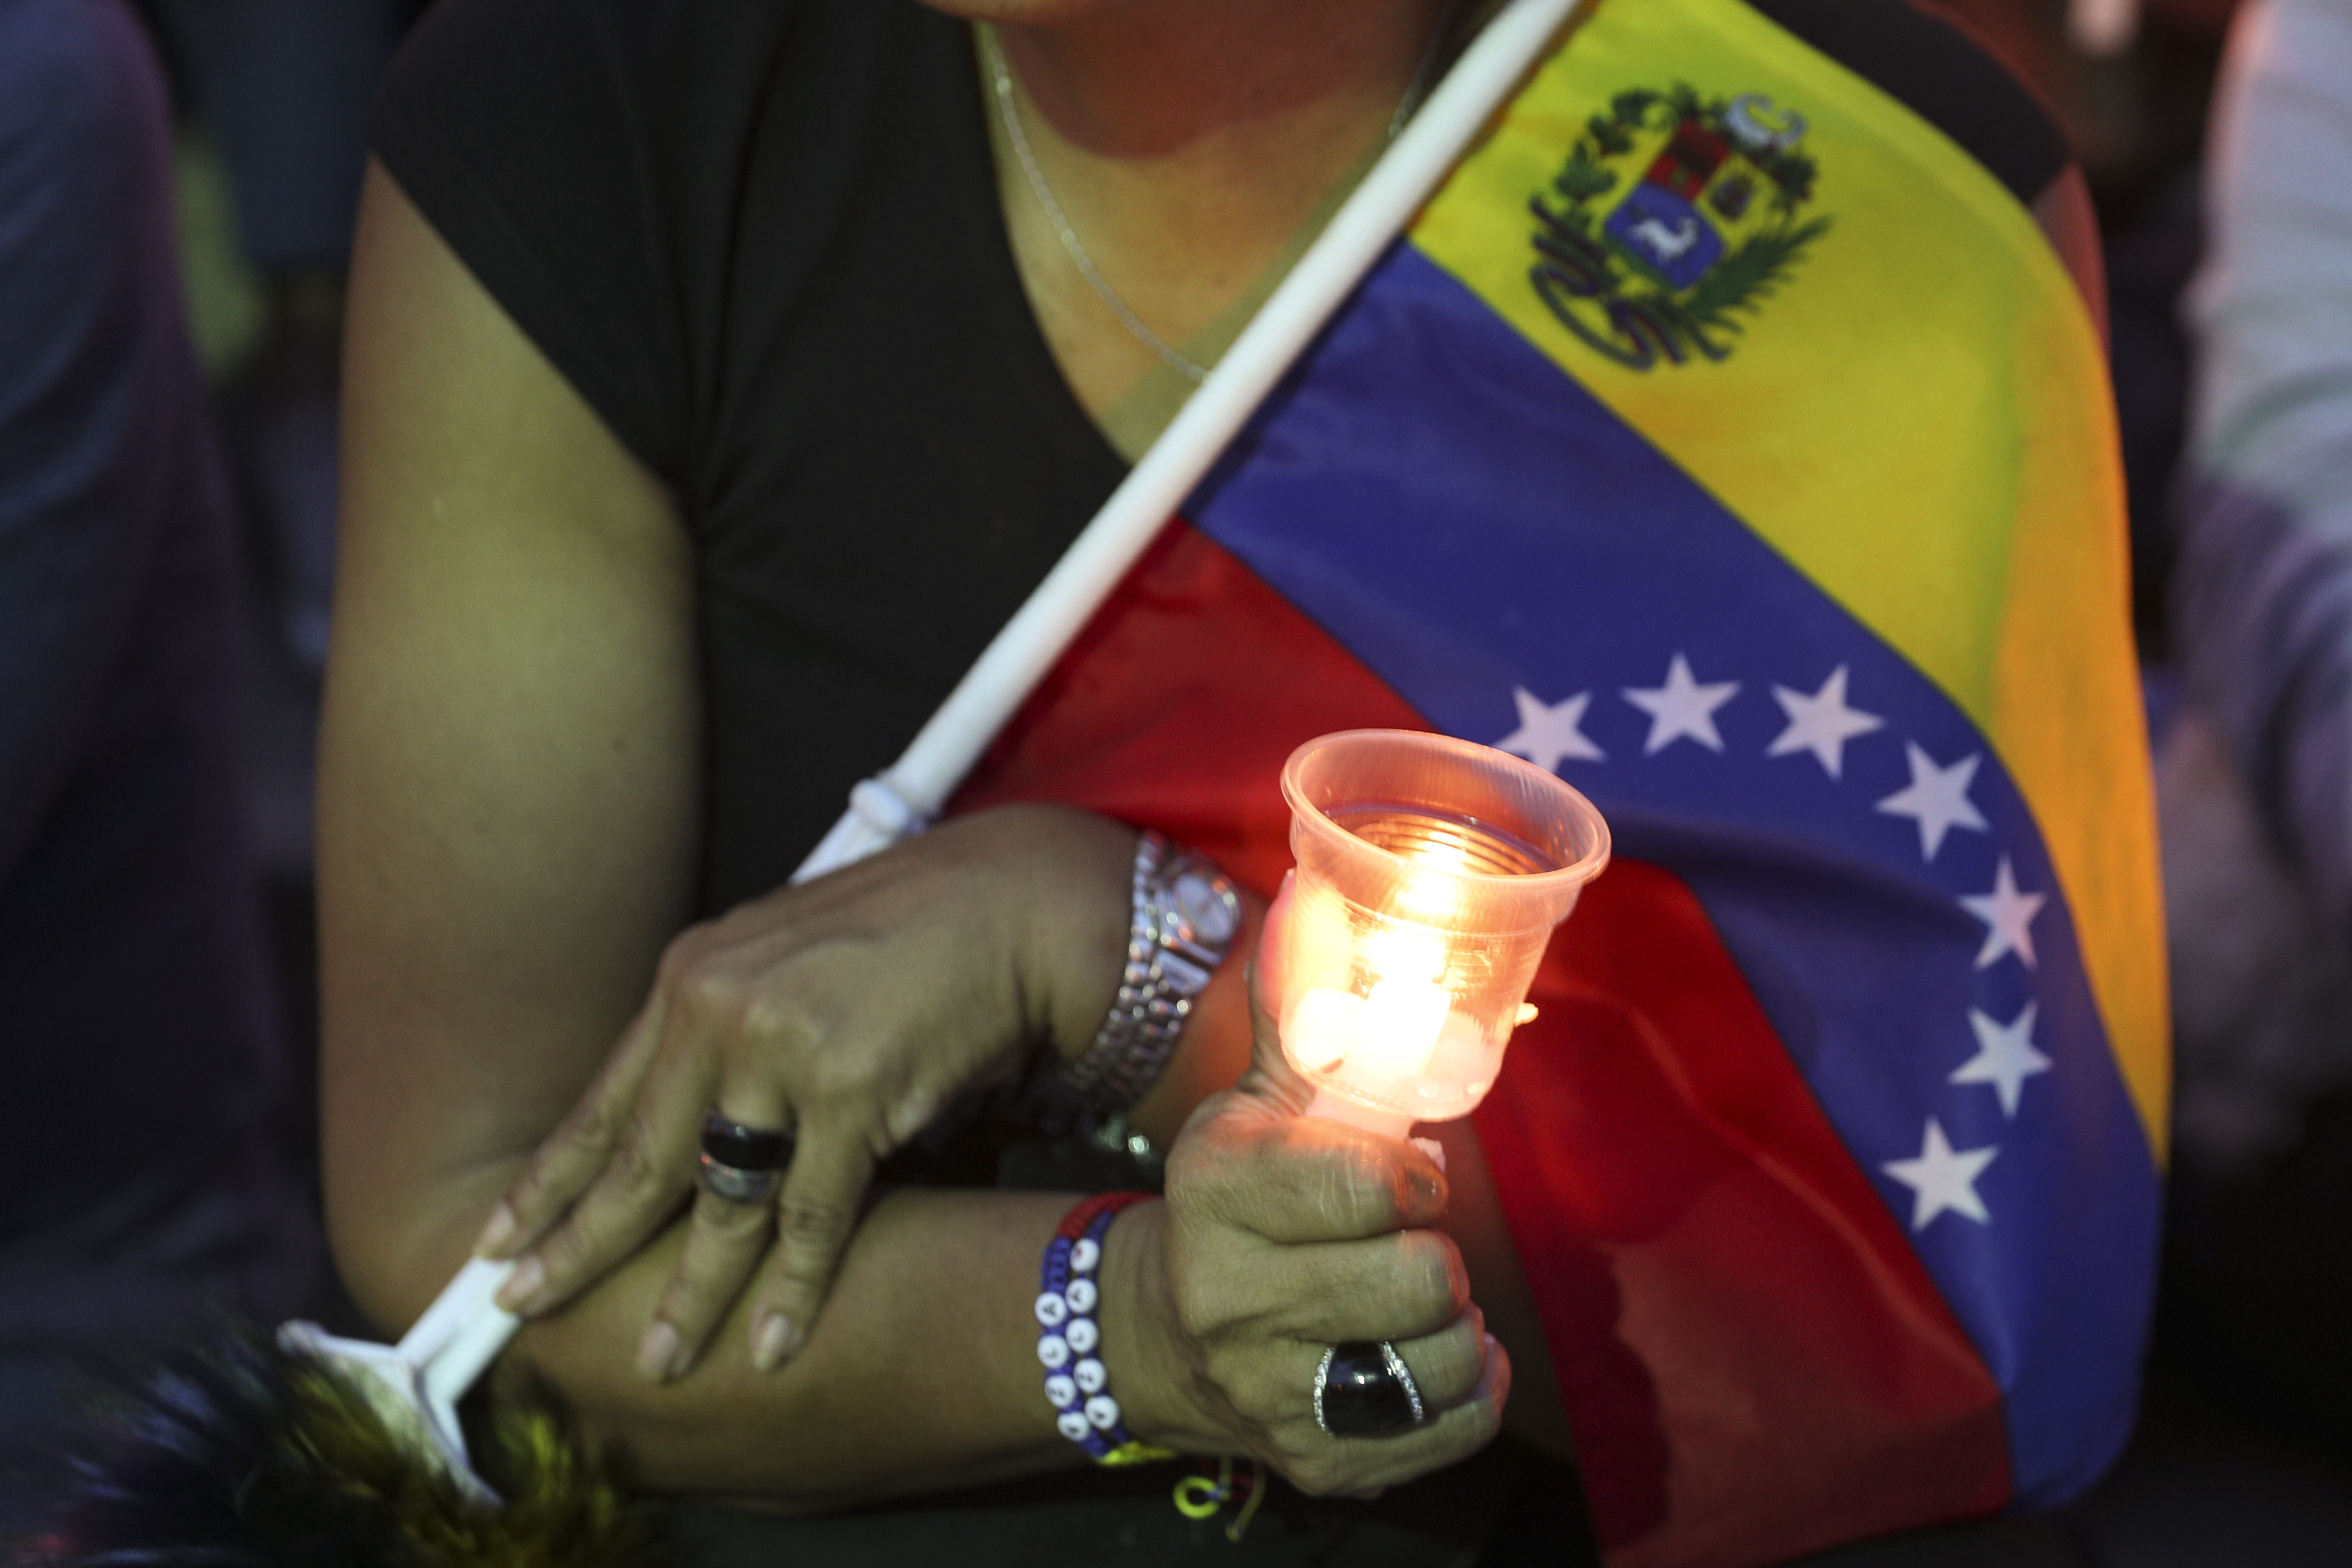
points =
(498, 1234)
(767, 1346)
(657, 1352)
(523, 1286)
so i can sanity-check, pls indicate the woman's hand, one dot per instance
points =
(1283, 1236)
(1280, 1237)
(849, 1010)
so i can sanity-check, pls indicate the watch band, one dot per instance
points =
(1184, 917)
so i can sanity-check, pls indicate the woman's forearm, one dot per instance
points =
(919, 1374)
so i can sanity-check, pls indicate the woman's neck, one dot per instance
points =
(1186, 141)
(1162, 79)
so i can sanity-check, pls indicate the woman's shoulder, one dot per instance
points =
(588, 161)
(504, 77)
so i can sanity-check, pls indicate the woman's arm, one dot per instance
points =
(509, 757)
(508, 814)
(506, 831)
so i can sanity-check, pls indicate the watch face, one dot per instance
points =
(1207, 909)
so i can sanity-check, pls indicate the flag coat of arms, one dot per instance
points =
(1725, 439)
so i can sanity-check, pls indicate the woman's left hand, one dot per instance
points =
(848, 1010)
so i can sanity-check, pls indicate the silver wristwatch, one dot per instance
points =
(1185, 916)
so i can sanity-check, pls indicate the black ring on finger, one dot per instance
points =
(743, 1164)
(745, 1148)
(1362, 1389)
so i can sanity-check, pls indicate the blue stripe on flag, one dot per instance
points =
(1475, 525)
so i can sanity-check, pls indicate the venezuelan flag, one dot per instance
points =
(1725, 439)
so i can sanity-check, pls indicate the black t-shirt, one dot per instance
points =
(762, 239)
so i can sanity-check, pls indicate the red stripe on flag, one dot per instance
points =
(1753, 1359)
(1178, 705)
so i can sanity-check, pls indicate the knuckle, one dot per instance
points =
(1201, 1312)
(1357, 1189)
(837, 1084)
(1195, 1154)
(1316, 1475)
(689, 1304)
(1259, 1403)
(633, 1170)
(592, 1130)
(1497, 1372)
(731, 1223)
(704, 1288)
(1181, 1179)
(565, 1165)
(1376, 1188)
(1466, 1353)
(530, 1189)
(567, 1254)
(774, 1018)
(1451, 1367)
(1464, 1429)
(811, 1222)
(1210, 1160)
(708, 992)
(679, 958)
(901, 1121)
(1430, 1279)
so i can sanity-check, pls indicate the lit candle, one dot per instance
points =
(1431, 872)
(1384, 1038)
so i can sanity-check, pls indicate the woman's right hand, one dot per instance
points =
(1282, 1236)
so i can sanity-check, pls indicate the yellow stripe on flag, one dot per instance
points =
(1917, 416)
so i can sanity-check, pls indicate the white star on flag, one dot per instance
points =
(1548, 731)
(1936, 799)
(1943, 1178)
(1820, 724)
(2005, 1057)
(2008, 915)
(1680, 708)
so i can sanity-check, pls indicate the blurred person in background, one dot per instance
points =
(2260, 836)
(140, 1175)
(283, 88)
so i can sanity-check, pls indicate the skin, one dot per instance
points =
(1186, 141)
(509, 768)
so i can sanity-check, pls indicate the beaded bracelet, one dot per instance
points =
(1068, 1337)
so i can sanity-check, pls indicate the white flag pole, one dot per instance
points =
(416, 1384)
(914, 790)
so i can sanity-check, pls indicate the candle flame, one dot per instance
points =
(1405, 952)
(1378, 1011)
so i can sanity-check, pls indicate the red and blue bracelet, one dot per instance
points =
(1069, 1337)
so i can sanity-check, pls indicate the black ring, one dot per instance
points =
(745, 1148)
(1362, 1390)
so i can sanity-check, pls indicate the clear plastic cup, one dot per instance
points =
(1431, 873)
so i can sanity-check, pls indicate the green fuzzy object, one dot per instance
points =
(246, 1455)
